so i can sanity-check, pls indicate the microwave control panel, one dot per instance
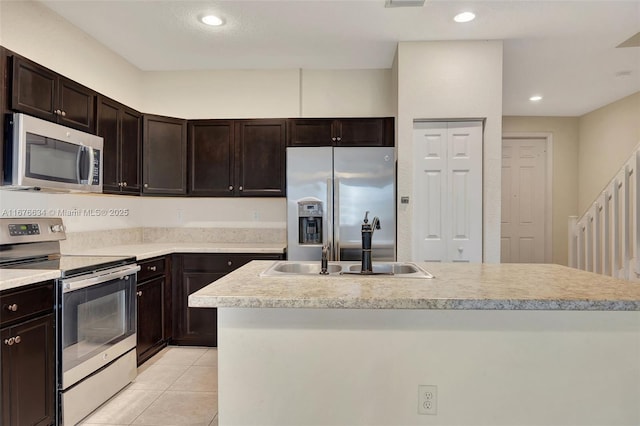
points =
(95, 179)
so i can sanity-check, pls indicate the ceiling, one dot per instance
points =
(563, 50)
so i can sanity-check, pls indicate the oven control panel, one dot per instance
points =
(24, 229)
(16, 230)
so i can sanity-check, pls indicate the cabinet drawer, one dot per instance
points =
(151, 268)
(25, 302)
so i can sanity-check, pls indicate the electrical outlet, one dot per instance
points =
(428, 399)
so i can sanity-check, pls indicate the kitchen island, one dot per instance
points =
(501, 344)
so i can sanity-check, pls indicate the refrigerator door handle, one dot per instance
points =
(336, 218)
(328, 222)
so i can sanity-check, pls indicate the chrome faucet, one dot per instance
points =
(367, 235)
(324, 262)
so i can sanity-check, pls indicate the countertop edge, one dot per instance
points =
(433, 304)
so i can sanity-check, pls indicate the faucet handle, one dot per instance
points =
(366, 216)
(376, 222)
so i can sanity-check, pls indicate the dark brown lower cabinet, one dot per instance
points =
(191, 272)
(27, 373)
(153, 295)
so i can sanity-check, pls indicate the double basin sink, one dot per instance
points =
(349, 269)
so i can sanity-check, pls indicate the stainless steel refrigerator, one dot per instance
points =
(329, 189)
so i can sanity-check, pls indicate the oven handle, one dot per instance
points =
(78, 283)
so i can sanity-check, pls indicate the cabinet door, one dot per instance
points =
(363, 132)
(28, 373)
(310, 132)
(211, 157)
(4, 105)
(76, 105)
(130, 147)
(260, 153)
(164, 166)
(150, 315)
(195, 326)
(34, 89)
(107, 125)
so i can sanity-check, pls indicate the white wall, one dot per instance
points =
(608, 136)
(222, 93)
(347, 93)
(445, 80)
(363, 367)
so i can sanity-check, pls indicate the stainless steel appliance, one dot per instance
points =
(95, 313)
(48, 156)
(329, 189)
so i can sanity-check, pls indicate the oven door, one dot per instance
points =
(97, 321)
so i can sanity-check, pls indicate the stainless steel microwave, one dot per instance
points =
(45, 155)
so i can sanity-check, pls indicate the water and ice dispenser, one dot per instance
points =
(310, 218)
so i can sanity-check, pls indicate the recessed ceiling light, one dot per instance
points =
(535, 98)
(212, 20)
(464, 17)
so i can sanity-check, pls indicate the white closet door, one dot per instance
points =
(448, 191)
(465, 191)
(430, 165)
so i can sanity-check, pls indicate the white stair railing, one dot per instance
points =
(606, 238)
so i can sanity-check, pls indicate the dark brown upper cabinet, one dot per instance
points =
(121, 129)
(261, 157)
(4, 105)
(164, 156)
(40, 92)
(341, 132)
(237, 157)
(211, 158)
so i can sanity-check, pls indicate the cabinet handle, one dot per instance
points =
(124, 183)
(10, 341)
(240, 188)
(230, 187)
(229, 263)
(146, 185)
(333, 139)
(64, 114)
(13, 307)
(56, 112)
(151, 268)
(139, 293)
(18, 339)
(338, 138)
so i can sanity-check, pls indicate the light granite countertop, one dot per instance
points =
(455, 286)
(13, 278)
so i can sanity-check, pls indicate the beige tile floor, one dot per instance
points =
(178, 386)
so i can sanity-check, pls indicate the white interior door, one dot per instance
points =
(448, 191)
(524, 163)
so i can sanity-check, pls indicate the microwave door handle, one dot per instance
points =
(79, 163)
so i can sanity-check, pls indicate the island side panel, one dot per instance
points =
(363, 367)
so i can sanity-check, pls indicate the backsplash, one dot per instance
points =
(78, 241)
(214, 235)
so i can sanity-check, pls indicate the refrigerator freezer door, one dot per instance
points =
(364, 181)
(309, 177)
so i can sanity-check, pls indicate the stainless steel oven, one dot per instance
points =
(97, 329)
(95, 314)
